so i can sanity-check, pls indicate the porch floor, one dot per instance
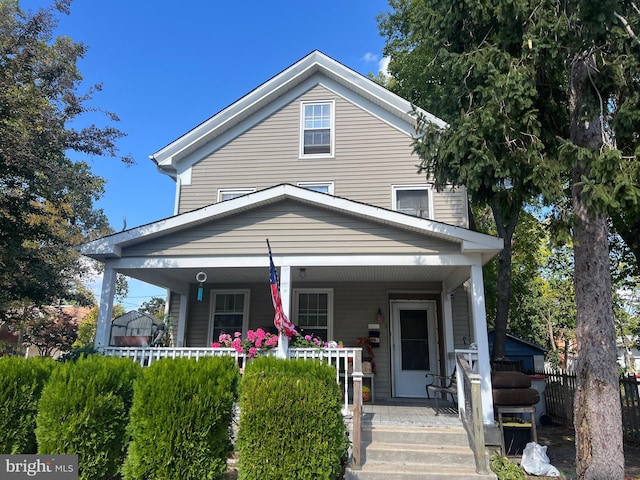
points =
(409, 411)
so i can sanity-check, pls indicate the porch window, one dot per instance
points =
(317, 129)
(313, 312)
(229, 313)
(413, 200)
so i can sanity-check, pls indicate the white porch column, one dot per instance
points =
(285, 296)
(182, 319)
(479, 315)
(103, 329)
(448, 331)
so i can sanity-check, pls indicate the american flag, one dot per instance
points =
(280, 320)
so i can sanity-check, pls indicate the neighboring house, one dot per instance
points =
(133, 329)
(528, 356)
(628, 354)
(319, 160)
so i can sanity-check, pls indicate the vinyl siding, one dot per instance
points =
(297, 228)
(461, 321)
(370, 157)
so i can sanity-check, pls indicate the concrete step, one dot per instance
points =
(426, 455)
(394, 471)
(452, 436)
(392, 452)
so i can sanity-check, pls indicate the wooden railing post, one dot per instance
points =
(478, 427)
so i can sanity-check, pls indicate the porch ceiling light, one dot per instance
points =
(302, 273)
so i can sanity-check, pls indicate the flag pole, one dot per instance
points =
(282, 323)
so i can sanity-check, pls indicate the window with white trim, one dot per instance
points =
(323, 187)
(229, 313)
(313, 312)
(229, 193)
(316, 129)
(413, 200)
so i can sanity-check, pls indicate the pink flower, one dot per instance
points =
(252, 352)
(237, 334)
(216, 345)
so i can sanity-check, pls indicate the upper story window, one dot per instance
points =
(317, 129)
(229, 193)
(323, 187)
(413, 200)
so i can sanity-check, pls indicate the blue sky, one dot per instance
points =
(167, 66)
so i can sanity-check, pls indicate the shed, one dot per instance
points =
(133, 329)
(519, 350)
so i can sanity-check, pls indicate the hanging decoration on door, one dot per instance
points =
(201, 277)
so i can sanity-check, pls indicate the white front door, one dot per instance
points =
(414, 346)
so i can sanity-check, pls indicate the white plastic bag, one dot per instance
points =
(536, 462)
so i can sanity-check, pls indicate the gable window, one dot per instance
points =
(229, 313)
(229, 193)
(317, 129)
(323, 187)
(313, 312)
(413, 200)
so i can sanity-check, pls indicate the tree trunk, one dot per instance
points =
(506, 221)
(597, 411)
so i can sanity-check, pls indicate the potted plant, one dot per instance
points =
(366, 394)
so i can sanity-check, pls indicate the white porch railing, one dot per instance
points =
(347, 362)
(470, 404)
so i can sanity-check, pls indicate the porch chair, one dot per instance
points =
(442, 385)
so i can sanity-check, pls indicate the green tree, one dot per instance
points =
(46, 199)
(155, 307)
(465, 63)
(538, 96)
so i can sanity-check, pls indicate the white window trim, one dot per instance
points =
(332, 128)
(428, 188)
(238, 191)
(329, 292)
(308, 185)
(245, 316)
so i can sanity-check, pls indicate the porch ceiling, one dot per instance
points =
(174, 277)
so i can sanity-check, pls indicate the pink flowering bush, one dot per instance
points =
(307, 341)
(256, 341)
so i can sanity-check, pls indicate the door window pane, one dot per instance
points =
(414, 337)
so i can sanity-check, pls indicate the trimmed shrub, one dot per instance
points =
(181, 419)
(291, 424)
(21, 384)
(84, 410)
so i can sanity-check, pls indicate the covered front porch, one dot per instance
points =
(348, 271)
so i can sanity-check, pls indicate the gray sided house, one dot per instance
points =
(318, 160)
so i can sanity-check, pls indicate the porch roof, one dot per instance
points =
(111, 246)
(178, 271)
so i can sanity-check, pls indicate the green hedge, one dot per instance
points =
(291, 424)
(84, 410)
(181, 419)
(21, 383)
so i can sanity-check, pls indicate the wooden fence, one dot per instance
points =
(559, 394)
